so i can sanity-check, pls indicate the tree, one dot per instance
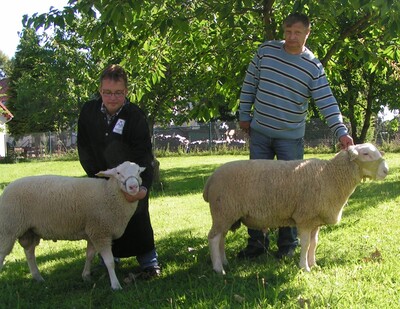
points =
(178, 53)
(5, 64)
(47, 84)
(187, 59)
(362, 58)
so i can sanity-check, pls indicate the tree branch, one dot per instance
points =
(354, 29)
(269, 32)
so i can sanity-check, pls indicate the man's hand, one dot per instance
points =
(245, 126)
(345, 141)
(138, 196)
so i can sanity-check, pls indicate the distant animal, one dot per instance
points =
(266, 194)
(68, 208)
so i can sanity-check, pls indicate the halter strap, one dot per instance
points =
(139, 180)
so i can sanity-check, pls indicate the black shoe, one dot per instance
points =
(285, 252)
(151, 272)
(251, 252)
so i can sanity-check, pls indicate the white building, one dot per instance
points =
(5, 116)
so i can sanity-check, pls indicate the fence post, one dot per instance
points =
(153, 140)
(209, 135)
(49, 143)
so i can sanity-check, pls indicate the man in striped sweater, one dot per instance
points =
(280, 80)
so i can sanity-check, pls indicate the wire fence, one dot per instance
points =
(199, 137)
(37, 145)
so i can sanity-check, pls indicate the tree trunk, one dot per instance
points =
(368, 110)
(157, 185)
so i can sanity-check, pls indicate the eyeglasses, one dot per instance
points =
(109, 94)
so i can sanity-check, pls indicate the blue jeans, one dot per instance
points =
(264, 147)
(148, 259)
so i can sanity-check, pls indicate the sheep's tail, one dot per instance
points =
(206, 187)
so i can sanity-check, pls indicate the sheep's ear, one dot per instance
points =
(353, 153)
(141, 169)
(108, 173)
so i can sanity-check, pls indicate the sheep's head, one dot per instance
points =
(370, 160)
(128, 176)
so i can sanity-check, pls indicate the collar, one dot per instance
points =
(104, 110)
(110, 118)
(297, 54)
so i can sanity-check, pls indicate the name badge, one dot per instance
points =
(119, 126)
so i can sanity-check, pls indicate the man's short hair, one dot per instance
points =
(114, 72)
(295, 18)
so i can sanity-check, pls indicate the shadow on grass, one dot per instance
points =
(63, 286)
(188, 268)
(73, 256)
(188, 279)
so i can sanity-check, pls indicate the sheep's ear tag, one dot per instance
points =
(353, 153)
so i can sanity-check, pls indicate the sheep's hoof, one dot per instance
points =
(116, 287)
(316, 266)
(220, 271)
(38, 278)
(87, 278)
(306, 269)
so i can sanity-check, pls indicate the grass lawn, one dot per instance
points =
(358, 258)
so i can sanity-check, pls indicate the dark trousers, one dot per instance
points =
(138, 237)
(264, 147)
(287, 238)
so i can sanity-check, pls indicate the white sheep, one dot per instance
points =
(68, 208)
(266, 194)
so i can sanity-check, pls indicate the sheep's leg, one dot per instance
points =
(29, 241)
(305, 244)
(103, 246)
(313, 247)
(222, 250)
(214, 243)
(90, 253)
(6, 245)
(108, 258)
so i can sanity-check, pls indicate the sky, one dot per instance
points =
(11, 19)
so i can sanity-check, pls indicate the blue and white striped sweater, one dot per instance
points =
(277, 89)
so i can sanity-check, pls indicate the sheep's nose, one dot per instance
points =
(386, 170)
(133, 187)
(383, 170)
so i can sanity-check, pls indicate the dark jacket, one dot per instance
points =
(102, 146)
